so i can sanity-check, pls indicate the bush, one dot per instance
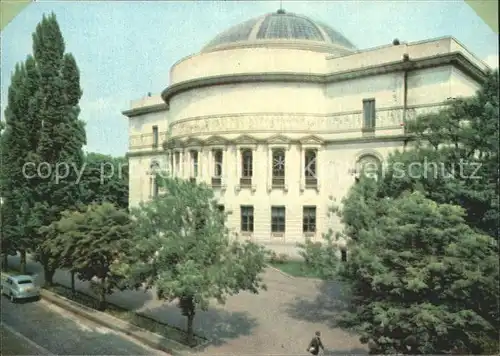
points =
(274, 258)
(310, 251)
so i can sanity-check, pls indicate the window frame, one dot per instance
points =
(275, 151)
(218, 165)
(247, 218)
(155, 136)
(246, 163)
(278, 219)
(307, 159)
(307, 219)
(369, 114)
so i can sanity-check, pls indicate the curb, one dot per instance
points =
(148, 338)
(280, 271)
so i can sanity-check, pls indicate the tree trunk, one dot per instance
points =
(189, 329)
(22, 262)
(73, 282)
(48, 274)
(102, 295)
(5, 263)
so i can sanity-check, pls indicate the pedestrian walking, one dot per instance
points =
(315, 344)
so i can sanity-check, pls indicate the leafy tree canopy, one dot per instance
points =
(420, 271)
(424, 266)
(90, 242)
(104, 179)
(455, 158)
(183, 249)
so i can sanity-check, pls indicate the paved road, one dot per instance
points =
(58, 332)
(14, 343)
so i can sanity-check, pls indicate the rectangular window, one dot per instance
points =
(310, 162)
(369, 114)
(218, 161)
(246, 218)
(218, 164)
(310, 168)
(194, 164)
(155, 136)
(278, 179)
(247, 163)
(309, 219)
(278, 219)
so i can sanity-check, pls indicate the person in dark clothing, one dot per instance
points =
(411, 345)
(315, 344)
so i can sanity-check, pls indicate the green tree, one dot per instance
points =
(61, 135)
(105, 179)
(421, 272)
(448, 148)
(184, 251)
(18, 143)
(455, 158)
(88, 242)
(63, 239)
(106, 238)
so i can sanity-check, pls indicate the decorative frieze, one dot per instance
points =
(281, 123)
(249, 123)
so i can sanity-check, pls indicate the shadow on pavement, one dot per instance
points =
(326, 307)
(214, 324)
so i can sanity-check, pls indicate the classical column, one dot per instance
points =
(238, 158)
(210, 164)
(182, 164)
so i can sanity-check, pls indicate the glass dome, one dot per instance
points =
(279, 28)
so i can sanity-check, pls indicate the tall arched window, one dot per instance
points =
(247, 163)
(278, 167)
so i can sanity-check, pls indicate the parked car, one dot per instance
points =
(20, 287)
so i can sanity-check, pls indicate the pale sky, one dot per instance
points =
(125, 49)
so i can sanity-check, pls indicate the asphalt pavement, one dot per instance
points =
(40, 328)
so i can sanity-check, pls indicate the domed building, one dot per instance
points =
(280, 113)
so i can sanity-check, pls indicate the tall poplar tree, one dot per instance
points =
(42, 127)
(18, 144)
(62, 134)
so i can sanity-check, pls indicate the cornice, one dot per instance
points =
(145, 110)
(393, 138)
(272, 140)
(456, 58)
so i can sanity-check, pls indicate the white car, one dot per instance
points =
(20, 287)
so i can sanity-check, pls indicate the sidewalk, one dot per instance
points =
(247, 323)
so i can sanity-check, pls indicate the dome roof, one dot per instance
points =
(281, 29)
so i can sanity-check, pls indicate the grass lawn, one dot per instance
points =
(295, 269)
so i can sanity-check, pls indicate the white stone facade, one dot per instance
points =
(239, 100)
